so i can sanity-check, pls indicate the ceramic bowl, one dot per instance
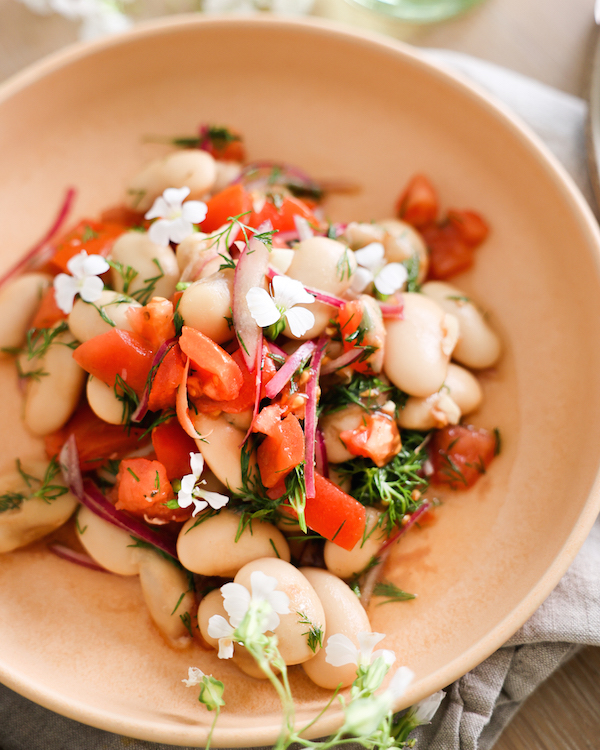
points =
(368, 111)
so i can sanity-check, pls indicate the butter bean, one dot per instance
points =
(87, 320)
(433, 412)
(107, 544)
(104, 402)
(156, 266)
(464, 388)
(206, 306)
(19, 301)
(347, 563)
(401, 241)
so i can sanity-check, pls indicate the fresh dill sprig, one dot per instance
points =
(11, 501)
(314, 633)
(127, 273)
(39, 340)
(142, 544)
(128, 398)
(412, 266)
(144, 295)
(391, 592)
(364, 391)
(46, 491)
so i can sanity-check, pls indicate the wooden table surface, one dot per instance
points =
(551, 40)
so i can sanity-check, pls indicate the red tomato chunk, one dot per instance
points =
(460, 455)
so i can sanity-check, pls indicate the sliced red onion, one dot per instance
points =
(321, 461)
(310, 420)
(414, 517)
(277, 350)
(328, 299)
(249, 272)
(89, 495)
(342, 361)
(288, 236)
(303, 228)
(286, 371)
(391, 311)
(162, 352)
(42, 251)
(79, 558)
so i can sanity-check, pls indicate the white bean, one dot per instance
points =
(210, 548)
(31, 518)
(344, 614)
(227, 172)
(19, 301)
(401, 241)
(306, 615)
(360, 234)
(51, 398)
(201, 255)
(206, 306)
(374, 331)
(464, 388)
(419, 346)
(87, 320)
(110, 546)
(192, 168)
(166, 591)
(221, 448)
(350, 418)
(478, 345)
(104, 402)
(432, 412)
(347, 563)
(157, 272)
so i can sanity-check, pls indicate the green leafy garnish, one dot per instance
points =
(391, 592)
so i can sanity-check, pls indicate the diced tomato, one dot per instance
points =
(173, 447)
(349, 319)
(282, 218)
(48, 313)
(123, 215)
(460, 455)
(281, 450)
(116, 353)
(217, 375)
(232, 201)
(223, 144)
(153, 322)
(448, 252)
(378, 439)
(334, 514)
(97, 441)
(268, 419)
(95, 237)
(166, 380)
(143, 489)
(471, 226)
(418, 202)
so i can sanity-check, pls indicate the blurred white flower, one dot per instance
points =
(424, 711)
(267, 309)
(192, 492)
(386, 277)
(176, 219)
(237, 599)
(282, 7)
(84, 281)
(340, 650)
(97, 17)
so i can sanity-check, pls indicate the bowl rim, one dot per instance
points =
(565, 185)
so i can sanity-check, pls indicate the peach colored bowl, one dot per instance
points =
(370, 111)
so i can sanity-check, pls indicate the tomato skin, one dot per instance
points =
(103, 236)
(281, 451)
(282, 218)
(166, 380)
(48, 313)
(143, 489)
(378, 439)
(116, 353)
(460, 454)
(471, 226)
(448, 252)
(232, 201)
(153, 322)
(418, 203)
(173, 446)
(217, 374)
(97, 441)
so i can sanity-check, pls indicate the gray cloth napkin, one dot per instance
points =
(479, 705)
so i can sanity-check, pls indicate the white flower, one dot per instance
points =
(219, 628)
(85, 281)
(192, 493)
(98, 17)
(176, 219)
(104, 21)
(237, 599)
(340, 650)
(398, 684)
(267, 309)
(387, 277)
(424, 711)
(366, 714)
(195, 676)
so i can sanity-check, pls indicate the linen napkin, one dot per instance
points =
(479, 705)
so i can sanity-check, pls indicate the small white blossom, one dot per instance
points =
(97, 17)
(287, 293)
(191, 491)
(195, 676)
(176, 219)
(399, 683)
(237, 599)
(219, 628)
(386, 277)
(424, 711)
(340, 650)
(84, 281)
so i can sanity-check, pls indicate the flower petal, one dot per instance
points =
(160, 209)
(65, 289)
(236, 600)
(261, 306)
(188, 482)
(184, 499)
(195, 676)
(218, 627)
(400, 682)
(76, 264)
(160, 232)
(175, 196)
(179, 229)
(194, 211)
(370, 256)
(391, 278)
(225, 648)
(366, 643)
(389, 657)
(300, 320)
(94, 265)
(90, 289)
(196, 464)
(361, 279)
(199, 505)
(289, 292)
(424, 710)
(340, 650)
(214, 499)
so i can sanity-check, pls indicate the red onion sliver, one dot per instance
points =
(303, 228)
(310, 421)
(181, 405)
(391, 311)
(328, 299)
(41, 251)
(79, 558)
(69, 464)
(342, 361)
(249, 272)
(276, 350)
(414, 517)
(286, 371)
(142, 409)
(321, 461)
